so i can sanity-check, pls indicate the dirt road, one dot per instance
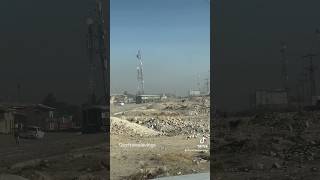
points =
(165, 156)
(59, 155)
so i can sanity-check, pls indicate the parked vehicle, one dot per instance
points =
(32, 132)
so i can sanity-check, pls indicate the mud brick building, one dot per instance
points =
(33, 115)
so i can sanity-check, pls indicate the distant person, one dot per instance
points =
(16, 136)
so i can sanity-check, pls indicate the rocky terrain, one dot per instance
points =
(284, 146)
(171, 128)
(172, 118)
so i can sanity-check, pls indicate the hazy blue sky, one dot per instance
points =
(174, 38)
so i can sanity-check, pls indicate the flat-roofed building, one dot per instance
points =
(271, 98)
(147, 98)
(194, 93)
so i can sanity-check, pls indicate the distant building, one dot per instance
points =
(121, 98)
(118, 98)
(194, 93)
(164, 97)
(39, 115)
(33, 115)
(64, 122)
(6, 121)
(271, 98)
(170, 95)
(131, 100)
(147, 98)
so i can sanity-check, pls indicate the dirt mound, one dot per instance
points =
(124, 127)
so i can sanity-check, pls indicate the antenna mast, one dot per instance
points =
(311, 70)
(140, 74)
(102, 48)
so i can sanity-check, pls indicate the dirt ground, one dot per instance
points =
(173, 146)
(167, 157)
(147, 141)
(58, 156)
(282, 146)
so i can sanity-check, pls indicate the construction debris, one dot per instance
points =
(175, 118)
(121, 126)
(174, 127)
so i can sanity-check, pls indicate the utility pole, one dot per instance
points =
(102, 46)
(106, 27)
(302, 84)
(92, 65)
(198, 82)
(97, 43)
(311, 73)
(284, 70)
(207, 85)
(19, 93)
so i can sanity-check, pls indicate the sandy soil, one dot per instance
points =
(168, 156)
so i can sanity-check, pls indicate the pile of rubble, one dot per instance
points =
(170, 118)
(199, 110)
(171, 123)
(192, 109)
(276, 140)
(175, 126)
(146, 113)
(124, 127)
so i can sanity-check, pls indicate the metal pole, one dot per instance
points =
(103, 40)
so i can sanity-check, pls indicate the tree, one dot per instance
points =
(50, 100)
